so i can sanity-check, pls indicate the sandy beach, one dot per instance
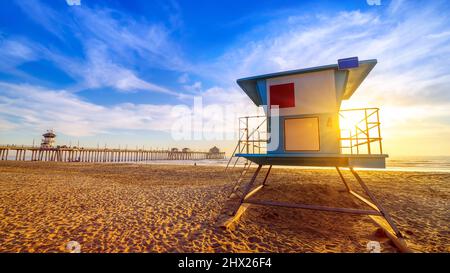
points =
(168, 208)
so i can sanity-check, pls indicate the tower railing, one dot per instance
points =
(252, 138)
(253, 134)
(360, 131)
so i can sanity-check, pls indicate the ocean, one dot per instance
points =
(393, 163)
(419, 163)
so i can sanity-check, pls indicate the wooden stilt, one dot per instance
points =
(267, 175)
(393, 233)
(314, 207)
(384, 221)
(376, 203)
(343, 179)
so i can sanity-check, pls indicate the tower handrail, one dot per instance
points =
(241, 136)
(361, 131)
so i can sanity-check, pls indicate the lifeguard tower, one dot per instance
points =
(48, 140)
(303, 125)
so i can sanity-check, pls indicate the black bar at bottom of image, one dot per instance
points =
(200, 262)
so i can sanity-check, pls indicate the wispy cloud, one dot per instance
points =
(14, 52)
(35, 108)
(129, 39)
(184, 78)
(113, 44)
(98, 70)
(45, 16)
(408, 39)
(38, 108)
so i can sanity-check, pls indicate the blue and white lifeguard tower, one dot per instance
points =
(304, 125)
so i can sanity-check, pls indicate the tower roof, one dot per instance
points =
(353, 78)
(49, 134)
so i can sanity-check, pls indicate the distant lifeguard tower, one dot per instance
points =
(49, 139)
(304, 126)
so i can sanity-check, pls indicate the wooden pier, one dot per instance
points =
(22, 153)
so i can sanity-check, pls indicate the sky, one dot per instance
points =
(128, 73)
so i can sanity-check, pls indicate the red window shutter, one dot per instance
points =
(282, 95)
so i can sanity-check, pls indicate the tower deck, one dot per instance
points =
(319, 160)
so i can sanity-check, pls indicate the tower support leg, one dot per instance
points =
(267, 175)
(390, 229)
(378, 214)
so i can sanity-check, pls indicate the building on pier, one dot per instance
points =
(214, 150)
(49, 139)
(214, 153)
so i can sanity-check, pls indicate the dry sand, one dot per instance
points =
(162, 208)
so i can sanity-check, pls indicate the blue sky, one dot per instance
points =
(110, 72)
